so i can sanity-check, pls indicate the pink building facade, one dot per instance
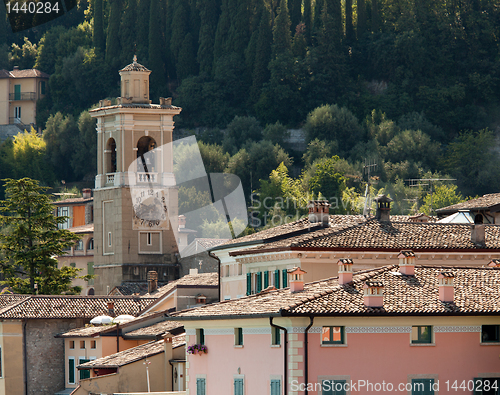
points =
(333, 341)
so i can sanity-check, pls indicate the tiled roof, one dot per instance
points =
(88, 228)
(134, 66)
(72, 201)
(132, 288)
(476, 292)
(373, 235)
(48, 307)
(88, 331)
(136, 105)
(482, 203)
(132, 354)
(157, 329)
(189, 280)
(210, 243)
(28, 73)
(7, 300)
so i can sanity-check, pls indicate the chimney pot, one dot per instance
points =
(319, 212)
(152, 281)
(87, 193)
(297, 279)
(345, 271)
(383, 213)
(407, 262)
(446, 286)
(494, 263)
(478, 236)
(373, 294)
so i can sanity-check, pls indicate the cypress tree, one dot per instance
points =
(143, 16)
(239, 31)
(98, 36)
(375, 16)
(308, 20)
(295, 10)
(282, 39)
(222, 32)
(260, 73)
(349, 28)
(113, 37)
(209, 14)
(168, 59)
(361, 25)
(186, 63)
(180, 25)
(128, 32)
(318, 9)
(156, 45)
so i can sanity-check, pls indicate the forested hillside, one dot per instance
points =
(413, 86)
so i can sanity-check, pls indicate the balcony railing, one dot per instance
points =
(143, 178)
(110, 178)
(22, 96)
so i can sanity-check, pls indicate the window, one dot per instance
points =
(422, 386)
(275, 387)
(63, 212)
(487, 386)
(109, 239)
(238, 336)
(277, 278)
(200, 386)
(84, 373)
(17, 114)
(285, 278)
(82, 344)
(17, 92)
(42, 87)
(90, 246)
(150, 241)
(332, 335)
(490, 334)
(275, 336)
(93, 344)
(200, 336)
(421, 334)
(79, 245)
(71, 344)
(333, 387)
(238, 386)
(71, 370)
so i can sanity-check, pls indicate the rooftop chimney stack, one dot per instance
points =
(193, 271)
(407, 262)
(478, 236)
(111, 309)
(345, 271)
(297, 279)
(446, 286)
(182, 221)
(373, 294)
(494, 263)
(319, 212)
(383, 208)
(87, 193)
(152, 281)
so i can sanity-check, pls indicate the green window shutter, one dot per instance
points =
(277, 278)
(275, 387)
(84, 373)
(71, 371)
(259, 282)
(42, 87)
(339, 387)
(17, 92)
(422, 387)
(285, 278)
(249, 284)
(238, 386)
(266, 279)
(326, 386)
(200, 387)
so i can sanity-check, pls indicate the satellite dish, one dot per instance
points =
(101, 320)
(123, 318)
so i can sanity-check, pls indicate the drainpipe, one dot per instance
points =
(285, 355)
(306, 358)
(117, 337)
(215, 257)
(25, 352)
(171, 364)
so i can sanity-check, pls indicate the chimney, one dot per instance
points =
(345, 271)
(373, 294)
(445, 280)
(182, 221)
(193, 271)
(477, 235)
(407, 262)
(111, 309)
(152, 281)
(494, 263)
(87, 193)
(319, 212)
(297, 279)
(201, 299)
(383, 208)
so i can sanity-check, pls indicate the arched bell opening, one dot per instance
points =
(146, 162)
(110, 156)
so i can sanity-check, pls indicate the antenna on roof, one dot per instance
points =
(369, 164)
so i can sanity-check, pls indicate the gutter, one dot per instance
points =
(306, 352)
(285, 355)
(218, 260)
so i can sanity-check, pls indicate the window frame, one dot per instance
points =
(497, 334)
(69, 370)
(275, 337)
(420, 340)
(238, 337)
(200, 336)
(342, 340)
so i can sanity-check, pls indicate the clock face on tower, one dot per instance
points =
(150, 208)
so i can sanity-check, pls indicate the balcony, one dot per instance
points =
(22, 96)
(143, 178)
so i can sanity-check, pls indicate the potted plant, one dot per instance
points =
(197, 348)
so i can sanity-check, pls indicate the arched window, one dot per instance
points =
(90, 245)
(478, 219)
(145, 155)
(110, 156)
(91, 292)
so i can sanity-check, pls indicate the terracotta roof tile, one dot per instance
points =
(476, 292)
(482, 203)
(48, 307)
(157, 329)
(88, 331)
(72, 200)
(200, 279)
(28, 73)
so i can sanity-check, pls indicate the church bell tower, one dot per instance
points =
(135, 172)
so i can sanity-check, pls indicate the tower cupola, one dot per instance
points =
(135, 83)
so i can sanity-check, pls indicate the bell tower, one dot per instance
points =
(134, 163)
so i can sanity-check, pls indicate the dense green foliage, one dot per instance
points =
(31, 240)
